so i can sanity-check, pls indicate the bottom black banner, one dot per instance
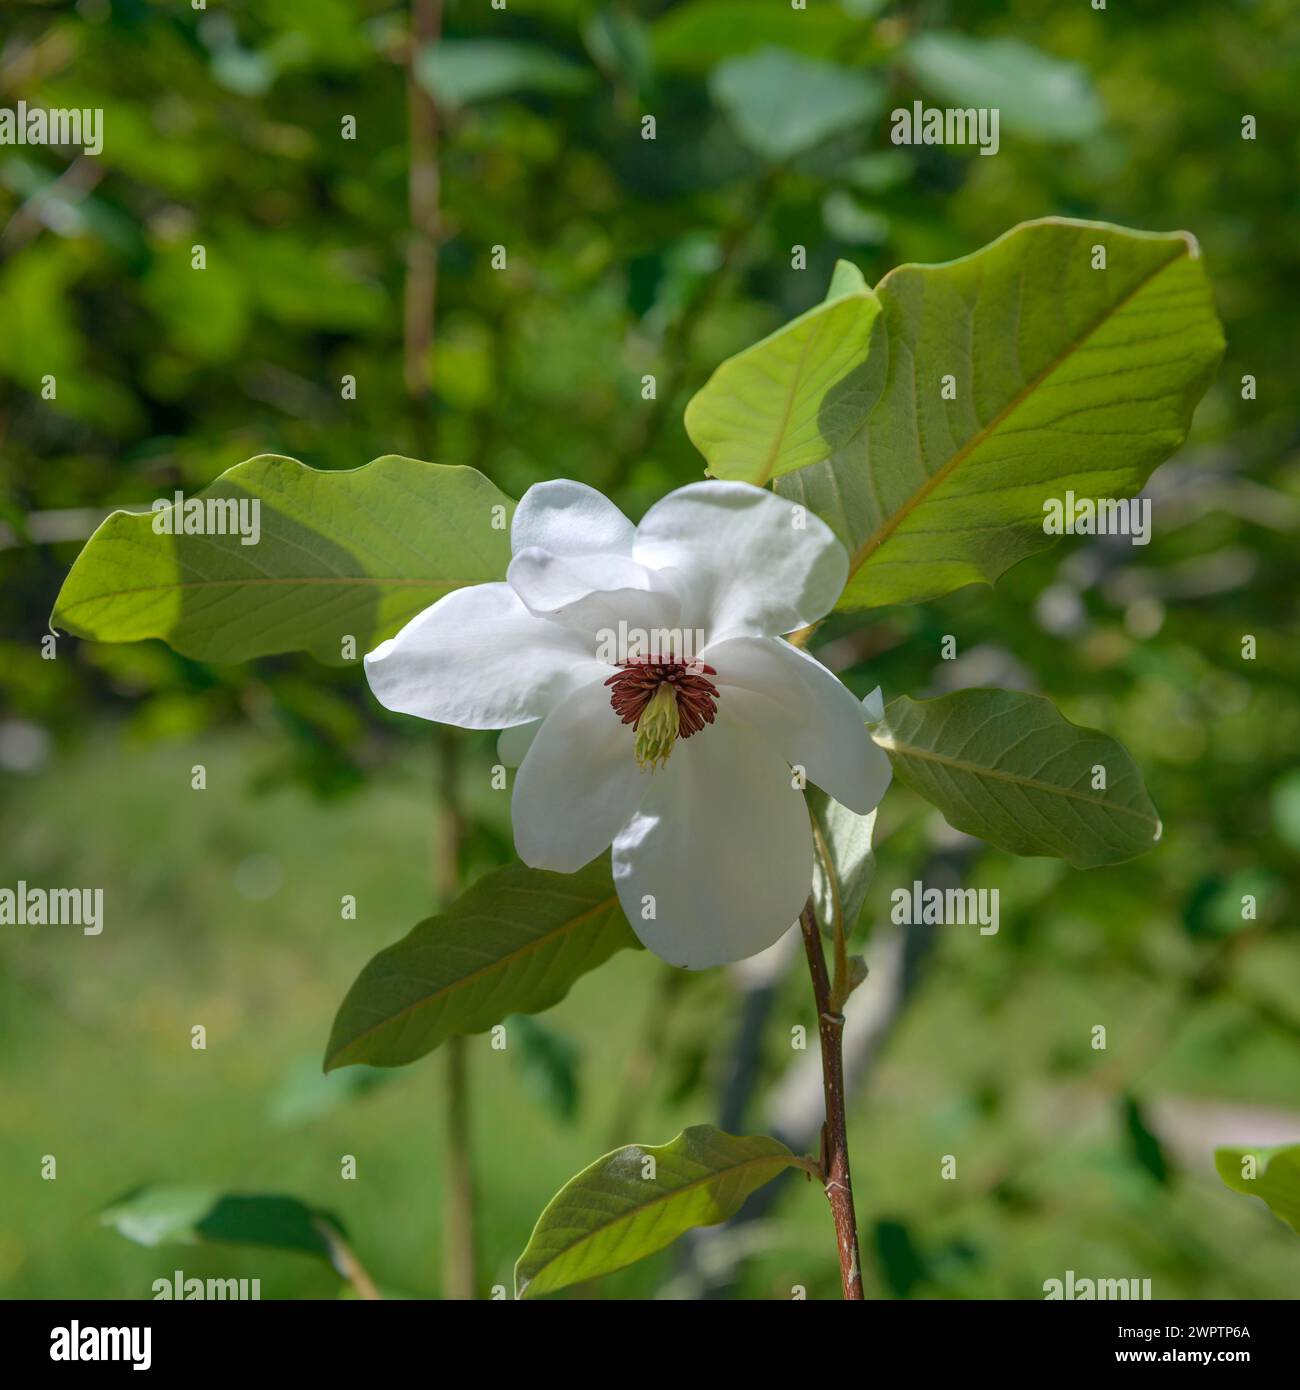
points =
(340, 1338)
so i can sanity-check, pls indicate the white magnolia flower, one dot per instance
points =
(648, 701)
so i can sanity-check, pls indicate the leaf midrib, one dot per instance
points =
(265, 582)
(500, 963)
(979, 770)
(786, 1161)
(883, 532)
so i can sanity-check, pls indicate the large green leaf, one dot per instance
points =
(790, 400)
(1011, 769)
(781, 105)
(1067, 379)
(513, 944)
(1276, 1180)
(340, 554)
(640, 1198)
(1034, 94)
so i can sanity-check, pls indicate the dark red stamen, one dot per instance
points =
(634, 687)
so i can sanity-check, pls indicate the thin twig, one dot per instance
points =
(423, 189)
(835, 1138)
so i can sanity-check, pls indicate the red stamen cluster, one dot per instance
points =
(635, 685)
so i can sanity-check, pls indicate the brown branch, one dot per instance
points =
(835, 1138)
(423, 188)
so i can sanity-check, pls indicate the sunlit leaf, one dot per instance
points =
(790, 400)
(1062, 378)
(340, 555)
(639, 1199)
(1276, 1180)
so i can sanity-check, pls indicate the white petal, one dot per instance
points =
(593, 594)
(478, 658)
(578, 784)
(569, 518)
(722, 845)
(813, 720)
(873, 706)
(513, 743)
(753, 571)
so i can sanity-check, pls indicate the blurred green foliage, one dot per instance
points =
(628, 257)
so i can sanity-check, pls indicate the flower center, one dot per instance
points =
(663, 701)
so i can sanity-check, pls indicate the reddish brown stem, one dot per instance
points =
(835, 1137)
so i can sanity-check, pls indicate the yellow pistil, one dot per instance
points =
(656, 730)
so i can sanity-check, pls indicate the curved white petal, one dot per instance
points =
(513, 743)
(478, 658)
(569, 518)
(722, 846)
(593, 594)
(578, 784)
(757, 565)
(812, 719)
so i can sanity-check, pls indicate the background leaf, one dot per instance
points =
(1035, 94)
(1067, 378)
(1009, 768)
(610, 1215)
(460, 71)
(785, 402)
(781, 104)
(691, 37)
(352, 553)
(1277, 1181)
(187, 1215)
(513, 944)
(548, 1061)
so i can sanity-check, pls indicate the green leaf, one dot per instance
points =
(639, 1199)
(844, 863)
(789, 400)
(457, 72)
(1145, 1145)
(1009, 768)
(1276, 1180)
(693, 37)
(513, 944)
(547, 1061)
(1034, 94)
(340, 554)
(846, 279)
(1067, 379)
(190, 1215)
(781, 104)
